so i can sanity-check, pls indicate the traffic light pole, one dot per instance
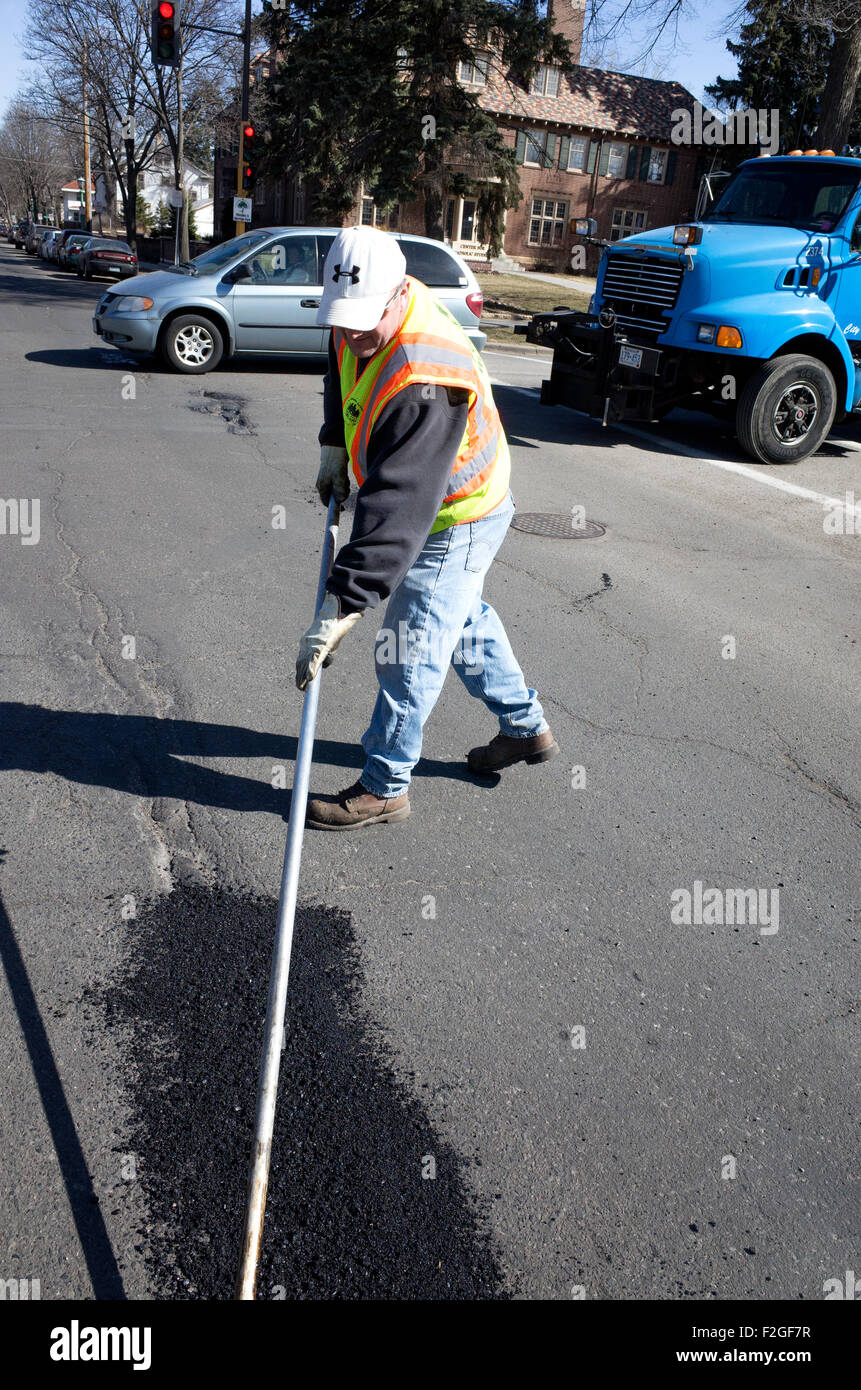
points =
(246, 67)
(88, 211)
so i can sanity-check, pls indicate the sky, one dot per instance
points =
(699, 56)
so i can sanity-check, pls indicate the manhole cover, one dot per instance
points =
(560, 528)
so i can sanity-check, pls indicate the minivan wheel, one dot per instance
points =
(786, 409)
(192, 344)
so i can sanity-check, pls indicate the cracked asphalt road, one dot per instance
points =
(516, 945)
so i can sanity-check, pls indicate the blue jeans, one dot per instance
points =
(436, 618)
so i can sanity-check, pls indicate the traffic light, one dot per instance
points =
(165, 33)
(249, 165)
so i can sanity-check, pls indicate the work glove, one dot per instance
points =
(333, 477)
(322, 639)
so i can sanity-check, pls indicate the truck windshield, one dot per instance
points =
(810, 195)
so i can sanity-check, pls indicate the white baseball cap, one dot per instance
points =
(363, 269)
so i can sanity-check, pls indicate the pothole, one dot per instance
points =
(230, 408)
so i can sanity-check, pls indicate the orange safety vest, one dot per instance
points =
(430, 348)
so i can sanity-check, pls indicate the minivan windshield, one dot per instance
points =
(227, 251)
(811, 195)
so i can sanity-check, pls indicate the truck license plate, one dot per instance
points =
(630, 357)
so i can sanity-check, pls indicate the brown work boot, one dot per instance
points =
(502, 751)
(355, 807)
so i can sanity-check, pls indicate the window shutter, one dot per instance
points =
(591, 156)
(550, 152)
(564, 151)
(671, 166)
(520, 146)
(631, 171)
(604, 164)
(645, 160)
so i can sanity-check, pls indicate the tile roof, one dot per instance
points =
(594, 99)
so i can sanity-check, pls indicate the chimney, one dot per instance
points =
(567, 18)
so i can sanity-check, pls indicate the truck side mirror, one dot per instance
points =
(584, 226)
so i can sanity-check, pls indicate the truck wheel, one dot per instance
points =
(192, 344)
(786, 409)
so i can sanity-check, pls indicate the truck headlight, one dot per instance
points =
(706, 333)
(132, 304)
(728, 336)
(687, 236)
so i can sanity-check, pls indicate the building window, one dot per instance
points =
(616, 162)
(474, 74)
(626, 221)
(577, 153)
(367, 212)
(547, 222)
(545, 83)
(657, 166)
(462, 222)
(537, 152)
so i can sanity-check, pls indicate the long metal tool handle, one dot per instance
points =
(267, 1090)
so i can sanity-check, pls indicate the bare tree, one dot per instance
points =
(33, 161)
(134, 106)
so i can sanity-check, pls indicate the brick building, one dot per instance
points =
(589, 143)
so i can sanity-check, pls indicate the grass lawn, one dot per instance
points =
(513, 296)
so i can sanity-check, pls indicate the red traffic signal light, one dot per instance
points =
(248, 132)
(165, 46)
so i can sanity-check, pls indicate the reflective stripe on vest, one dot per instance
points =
(430, 349)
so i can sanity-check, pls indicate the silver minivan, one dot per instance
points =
(259, 293)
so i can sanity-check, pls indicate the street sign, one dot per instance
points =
(242, 209)
(174, 197)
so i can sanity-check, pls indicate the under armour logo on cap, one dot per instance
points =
(352, 275)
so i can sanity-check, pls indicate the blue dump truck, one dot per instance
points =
(752, 312)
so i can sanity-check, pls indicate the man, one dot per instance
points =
(408, 406)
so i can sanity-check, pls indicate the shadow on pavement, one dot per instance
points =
(144, 756)
(83, 1202)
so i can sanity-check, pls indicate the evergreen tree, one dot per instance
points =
(368, 93)
(143, 216)
(782, 64)
(163, 223)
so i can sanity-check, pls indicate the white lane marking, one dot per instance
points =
(516, 357)
(730, 467)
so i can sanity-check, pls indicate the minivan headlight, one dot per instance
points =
(132, 304)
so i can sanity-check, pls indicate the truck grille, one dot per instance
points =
(640, 288)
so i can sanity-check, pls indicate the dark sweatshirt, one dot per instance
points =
(411, 453)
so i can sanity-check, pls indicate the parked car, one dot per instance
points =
(47, 248)
(67, 252)
(106, 256)
(21, 231)
(64, 237)
(34, 237)
(259, 293)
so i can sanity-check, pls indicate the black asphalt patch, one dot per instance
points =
(230, 408)
(349, 1214)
